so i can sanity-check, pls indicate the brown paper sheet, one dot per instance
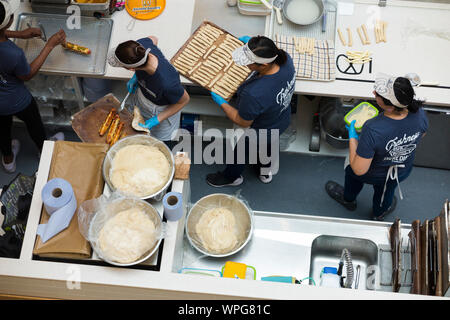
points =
(80, 164)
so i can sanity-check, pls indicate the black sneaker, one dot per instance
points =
(388, 211)
(219, 180)
(336, 191)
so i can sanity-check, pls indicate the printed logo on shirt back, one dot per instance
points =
(400, 149)
(285, 95)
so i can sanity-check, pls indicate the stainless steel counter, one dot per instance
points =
(281, 245)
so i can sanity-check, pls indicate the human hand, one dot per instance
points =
(56, 39)
(352, 134)
(218, 99)
(132, 84)
(245, 39)
(150, 123)
(31, 33)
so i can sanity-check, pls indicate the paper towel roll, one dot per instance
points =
(173, 206)
(60, 203)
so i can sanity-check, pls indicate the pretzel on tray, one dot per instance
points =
(206, 59)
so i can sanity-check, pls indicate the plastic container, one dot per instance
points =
(329, 278)
(369, 109)
(253, 8)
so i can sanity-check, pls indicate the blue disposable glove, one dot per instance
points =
(150, 123)
(218, 99)
(244, 39)
(352, 134)
(132, 84)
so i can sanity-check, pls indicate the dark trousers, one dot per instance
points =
(251, 153)
(354, 185)
(32, 119)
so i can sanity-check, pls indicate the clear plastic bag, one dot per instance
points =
(216, 240)
(94, 214)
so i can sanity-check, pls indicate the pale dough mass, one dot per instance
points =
(364, 114)
(216, 230)
(127, 236)
(139, 170)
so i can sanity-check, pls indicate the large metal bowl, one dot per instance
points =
(114, 208)
(289, 15)
(242, 214)
(141, 139)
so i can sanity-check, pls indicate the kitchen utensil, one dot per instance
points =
(324, 16)
(43, 36)
(278, 6)
(303, 12)
(396, 246)
(267, 4)
(139, 139)
(358, 273)
(115, 207)
(415, 239)
(122, 105)
(242, 215)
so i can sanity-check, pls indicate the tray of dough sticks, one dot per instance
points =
(205, 58)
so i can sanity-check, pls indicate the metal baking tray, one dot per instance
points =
(93, 33)
(311, 31)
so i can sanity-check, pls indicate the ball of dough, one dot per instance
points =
(216, 229)
(139, 170)
(127, 236)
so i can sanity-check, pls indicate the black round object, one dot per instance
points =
(332, 123)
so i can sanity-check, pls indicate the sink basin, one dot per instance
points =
(326, 252)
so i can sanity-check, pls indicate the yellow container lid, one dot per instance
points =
(145, 9)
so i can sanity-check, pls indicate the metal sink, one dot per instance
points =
(326, 252)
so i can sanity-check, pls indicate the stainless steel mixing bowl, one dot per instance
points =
(242, 214)
(116, 206)
(141, 139)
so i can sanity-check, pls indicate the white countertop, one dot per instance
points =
(425, 54)
(417, 41)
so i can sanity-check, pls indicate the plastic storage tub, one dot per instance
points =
(253, 8)
(361, 113)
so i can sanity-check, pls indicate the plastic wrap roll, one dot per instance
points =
(173, 206)
(60, 203)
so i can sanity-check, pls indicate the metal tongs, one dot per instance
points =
(43, 34)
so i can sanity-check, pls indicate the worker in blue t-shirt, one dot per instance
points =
(263, 105)
(15, 99)
(383, 154)
(160, 95)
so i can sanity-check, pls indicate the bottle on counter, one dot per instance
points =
(329, 278)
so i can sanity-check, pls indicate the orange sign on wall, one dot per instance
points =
(145, 9)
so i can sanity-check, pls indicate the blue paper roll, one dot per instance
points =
(60, 203)
(173, 206)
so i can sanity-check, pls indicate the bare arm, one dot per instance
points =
(174, 108)
(37, 63)
(358, 164)
(233, 115)
(24, 34)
